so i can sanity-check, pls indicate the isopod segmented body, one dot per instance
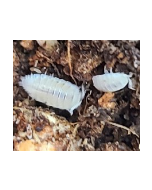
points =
(53, 91)
(111, 82)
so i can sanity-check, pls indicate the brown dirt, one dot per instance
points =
(103, 122)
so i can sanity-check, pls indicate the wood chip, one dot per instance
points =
(27, 44)
(105, 101)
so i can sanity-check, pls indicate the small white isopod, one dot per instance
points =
(53, 91)
(111, 82)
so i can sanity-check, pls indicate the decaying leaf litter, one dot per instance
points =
(104, 121)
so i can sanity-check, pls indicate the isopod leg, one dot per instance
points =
(130, 86)
(46, 72)
(111, 70)
(74, 107)
(83, 91)
(130, 74)
(105, 70)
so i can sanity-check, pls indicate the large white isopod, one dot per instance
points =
(111, 82)
(53, 91)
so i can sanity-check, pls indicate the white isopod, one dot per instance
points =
(53, 91)
(111, 82)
